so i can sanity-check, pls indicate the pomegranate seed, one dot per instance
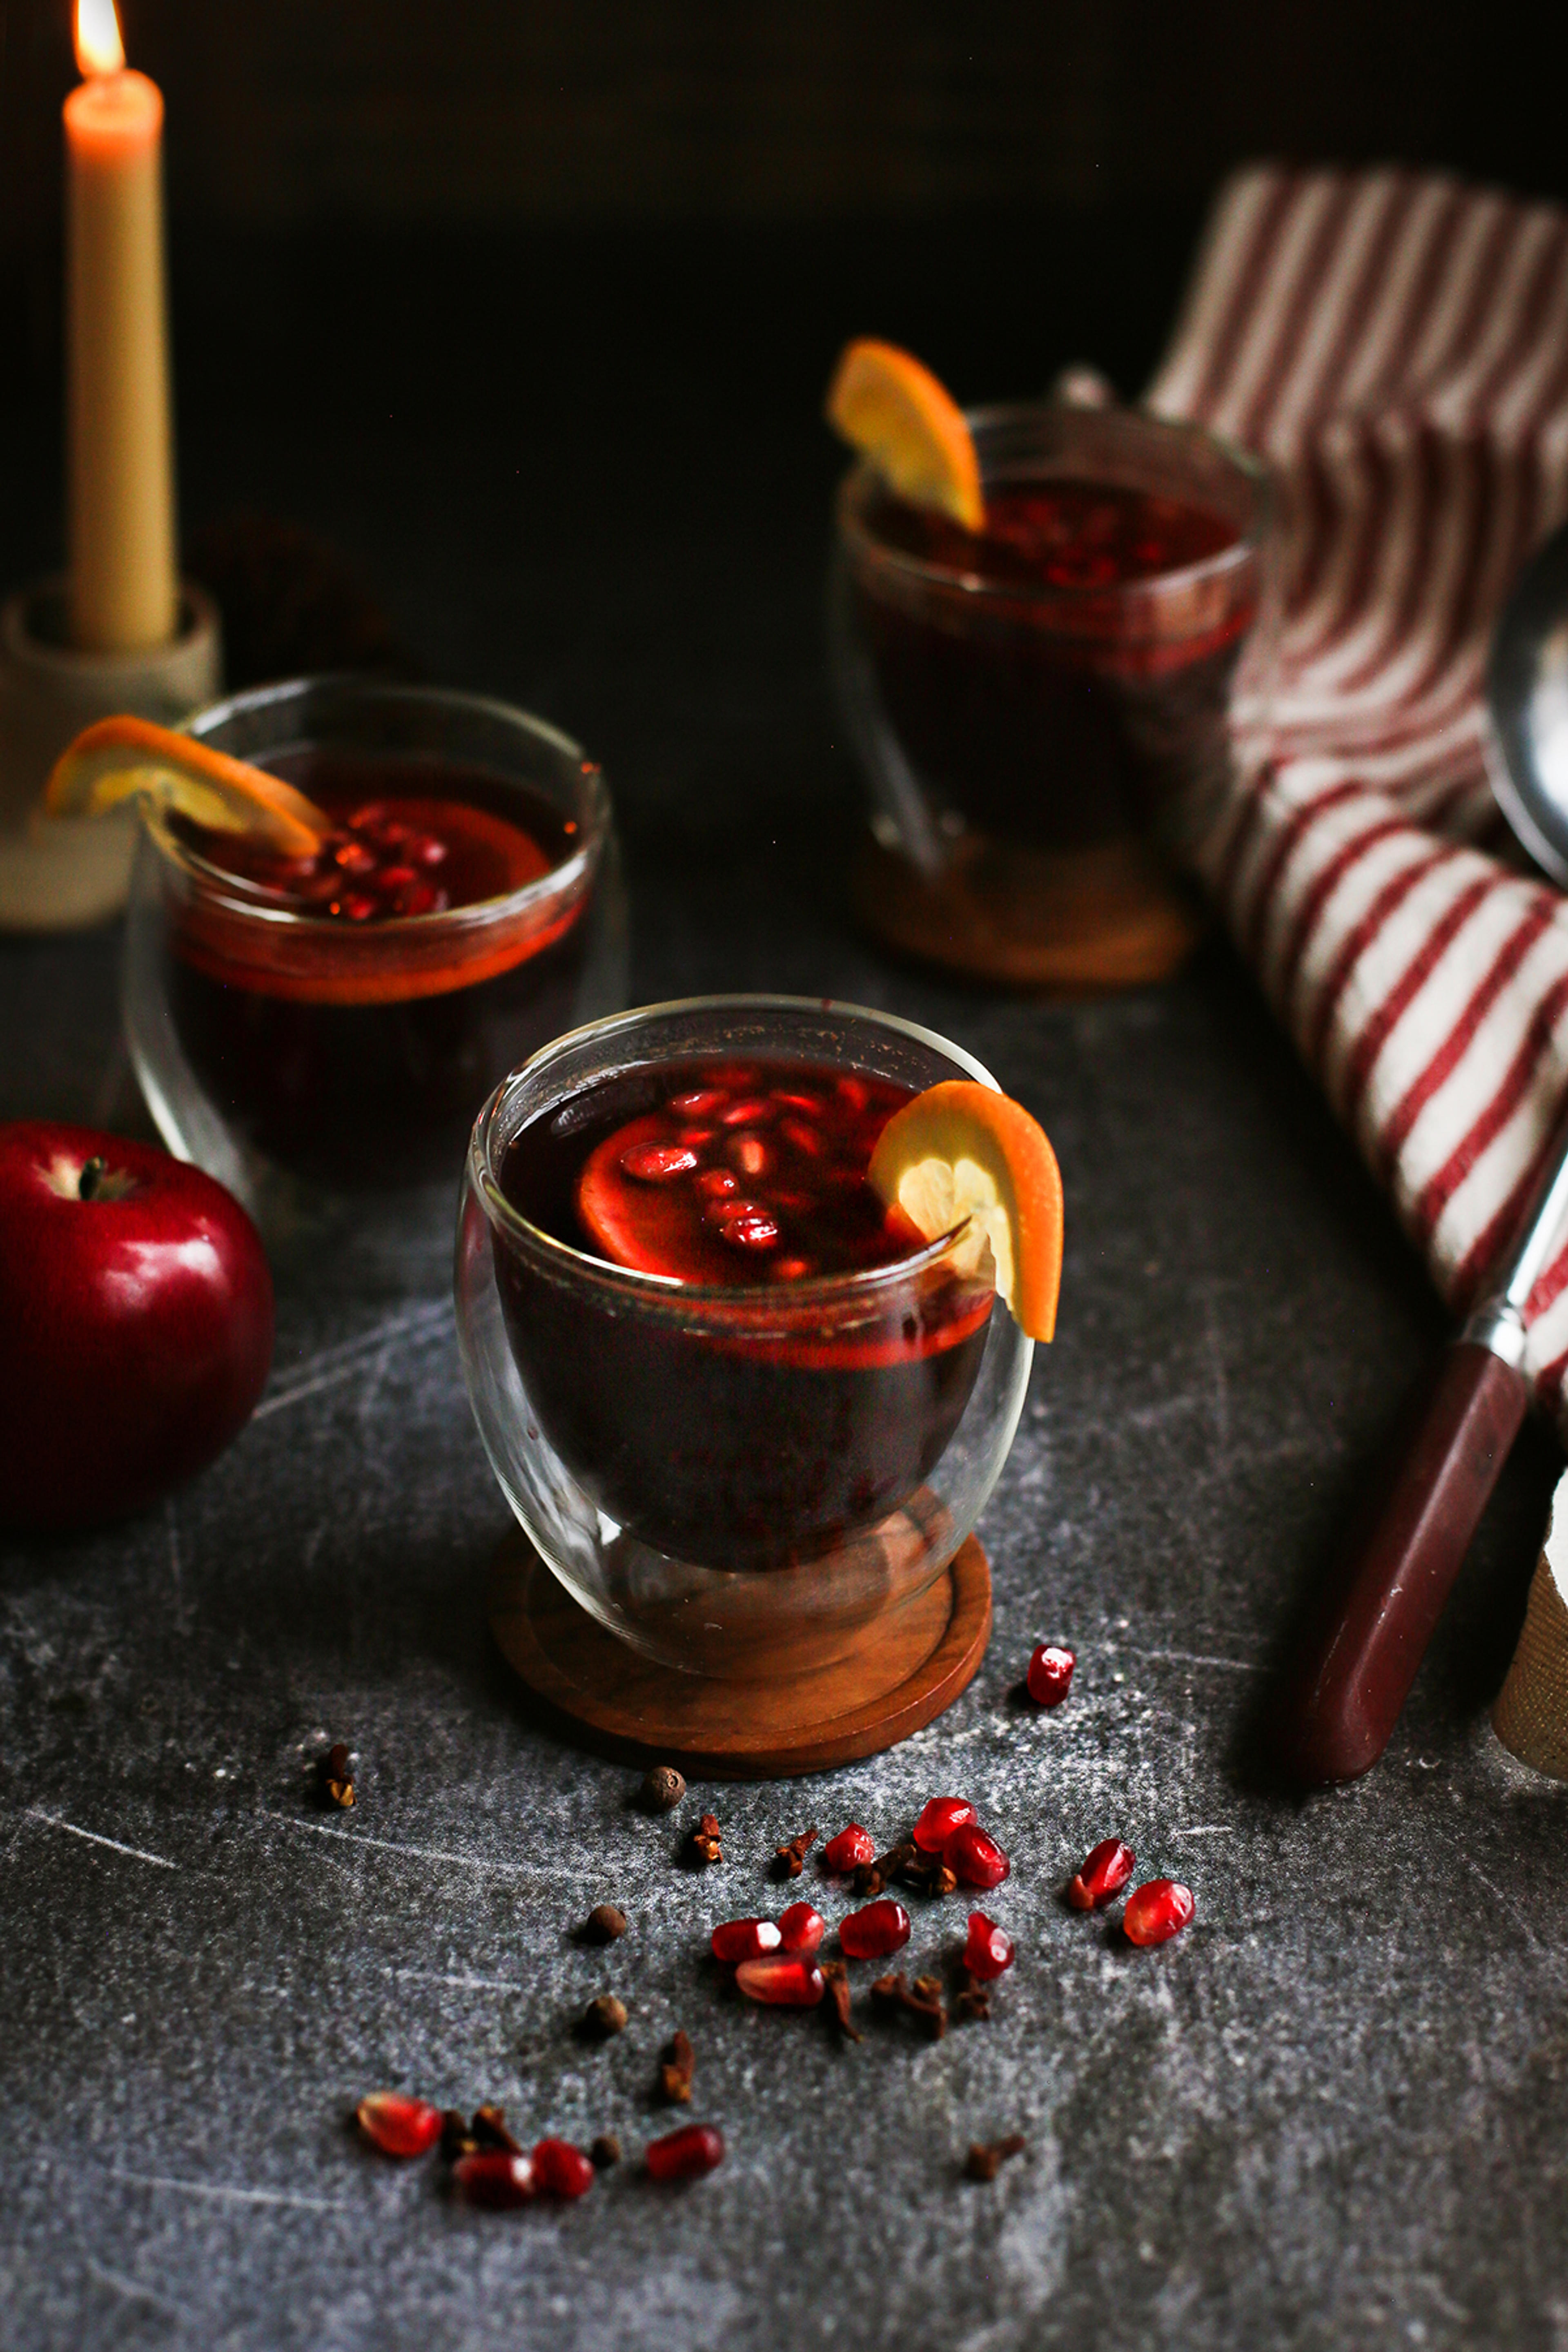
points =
(781, 1982)
(988, 1951)
(880, 1927)
(358, 907)
(804, 1138)
(938, 1822)
(372, 813)
(697, 1105)
(399, 2127)
(810, 1104)
(745, 1939)
(801, 1928)
(491, 2176)
(353, 857)
(560, 2169)
(428, 850)
(1157, 1911)
(419, 899)
(657, 1163)
(854, 1093)
(791, 1269)
(849, 1849)
(748, 1227)
(717, 1183)
(395, 878)
(753, 1112)
(975, 1859)
(682, 2155)
(1103, 1873)
(694, 1137)
(1050, 1675)
(750, 1155)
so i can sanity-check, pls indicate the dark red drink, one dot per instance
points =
(770, 1396)
(347, 1014)
(1048, 677)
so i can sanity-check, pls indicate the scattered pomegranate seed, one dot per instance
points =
(801, 1928)
(852, 1847)
(491, 2176)
(938, 1822)
(682, 2155)
(1157, 1911)
(975, 1859)
(880, 1927)
(989, 1951)
(781, 1982)
(1103, 1873)
(560, 2169)
(657, 1163)
(745, 1939)
(399, 2127)
(1050, 1675)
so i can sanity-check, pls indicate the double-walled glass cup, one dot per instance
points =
(738, 1481)
(306, 1060)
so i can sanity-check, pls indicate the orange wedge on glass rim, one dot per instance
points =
(124, 759)
(960, 1150)
(893, 410)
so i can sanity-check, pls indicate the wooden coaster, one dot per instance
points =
(1110, 917)
(903, 1671)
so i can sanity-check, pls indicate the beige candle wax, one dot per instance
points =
(124, 591)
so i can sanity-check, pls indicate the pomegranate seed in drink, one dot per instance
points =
(745, 1939)
(1103, 1873)
(750, 1113)
(560, 2169)
(682, 2155)
(801, 1928)
(658, 1163)
(399, 2127)
(782, 1981)
(699, 1104)
(804, 1138)
(849, 1849)
(989, 1951)
(1050, 1675)
(882, 1928)
(940, 1817)
(975, 1859)
(811, 1104)
(491, 2176)
(1157, 1911)
(748, 1227)
(750, 1155)
(717, 1183)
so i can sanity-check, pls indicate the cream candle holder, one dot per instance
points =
(57, 874)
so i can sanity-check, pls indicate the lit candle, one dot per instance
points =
(124, 591)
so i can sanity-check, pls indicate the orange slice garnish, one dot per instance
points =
(123, 758)
(960, 1150)
(887, 405)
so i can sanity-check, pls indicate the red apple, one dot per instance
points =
(135, 1323)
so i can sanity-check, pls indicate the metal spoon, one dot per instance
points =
(1380, 1611)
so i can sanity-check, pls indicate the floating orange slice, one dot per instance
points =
(123, 758)
(961, 1150)
(886, 403)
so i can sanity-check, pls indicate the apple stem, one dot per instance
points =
(91, 1177)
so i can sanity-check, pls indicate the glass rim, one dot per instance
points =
(859, 484)
(665, 1289)
(223, 889)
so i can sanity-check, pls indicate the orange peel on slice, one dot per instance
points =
(886, 404)
(123, 758)
(961, 1152)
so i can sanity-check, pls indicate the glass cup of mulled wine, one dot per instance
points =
(742, 1410)
(323, 1029)
(1040, 707)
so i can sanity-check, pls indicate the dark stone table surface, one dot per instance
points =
(1333, 2113)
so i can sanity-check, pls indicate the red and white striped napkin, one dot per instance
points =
(1396, 346)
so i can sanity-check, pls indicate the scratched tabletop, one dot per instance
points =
(1333, 2113)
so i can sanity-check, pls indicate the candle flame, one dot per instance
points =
(98, 47)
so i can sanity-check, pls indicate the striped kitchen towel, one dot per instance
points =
(1396, 346)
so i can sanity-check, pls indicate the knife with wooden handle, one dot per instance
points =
(1344, 1694)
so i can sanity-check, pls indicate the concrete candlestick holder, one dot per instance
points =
(54, 874)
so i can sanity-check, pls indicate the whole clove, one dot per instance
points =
(706, 1840)
(606, 2015)
(874, 1877)
(490, 2129)
(836, 1978)
(986, 2158)
(922, 2001)
(457, 2138)
(603, 1924)
(789, 1860)
(927, 1873)
(604, 2151)
(676, 2066)
(972, 2003)
(662, 1790)
(337, 1777)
